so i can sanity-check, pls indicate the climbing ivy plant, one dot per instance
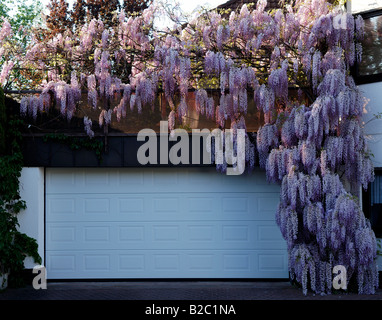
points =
(75, 143)
(15, 246)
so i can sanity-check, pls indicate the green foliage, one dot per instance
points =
(14, 245)
(3, 121)
(21, 15)
(75, 143)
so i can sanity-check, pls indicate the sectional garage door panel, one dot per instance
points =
(161, 223)
(163, 180)
(141, 264)
(220, 235)
(155, 206)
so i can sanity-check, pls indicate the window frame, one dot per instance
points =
(366, 197)
(364, 79)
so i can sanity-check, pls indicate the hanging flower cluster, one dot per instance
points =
(312, 146)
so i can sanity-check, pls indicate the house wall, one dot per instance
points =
(373, 128)
(31, 220)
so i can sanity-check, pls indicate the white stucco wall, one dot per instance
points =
(373, 129)
(31, 220)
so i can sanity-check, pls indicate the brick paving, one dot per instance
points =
(174, 290)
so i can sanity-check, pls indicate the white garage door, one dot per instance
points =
(161, 223)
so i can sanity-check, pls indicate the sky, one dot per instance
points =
(190, 5)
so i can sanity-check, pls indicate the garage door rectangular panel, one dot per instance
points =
(166, 204)
(128, 178)
(131, 233)
(237, 262)
(165, 179)
(62, 264)
(97, 206)
(236, 233)
(202, 262)
(60, 180)
(268, 202)
(272, 262)
(96, 179)
(201, 233)
(131, 262)
(97, 262)
(99, 234)
(200, 204)
(132, 205)
(61, 236)
(62, 207)
(268, 235)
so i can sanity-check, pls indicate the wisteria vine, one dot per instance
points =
(313, 146)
